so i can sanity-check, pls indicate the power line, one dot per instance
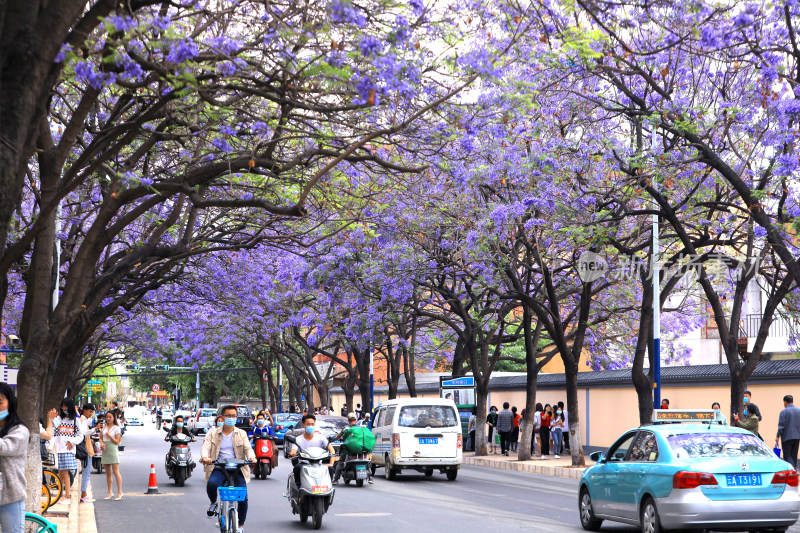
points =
(181, 372)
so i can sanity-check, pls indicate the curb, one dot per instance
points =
(529, 467)
(79, 517)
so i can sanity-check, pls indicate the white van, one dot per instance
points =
(423, 434)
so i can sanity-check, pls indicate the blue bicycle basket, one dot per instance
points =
(232, 494)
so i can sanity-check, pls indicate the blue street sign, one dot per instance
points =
(459, 382)
(94, 382)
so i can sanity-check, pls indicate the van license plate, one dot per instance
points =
(361, 467)
(743, 480)
(429, 440)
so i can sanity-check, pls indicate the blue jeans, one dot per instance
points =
(85, 474)
(216, 479)
(12, 517)
(557, 441)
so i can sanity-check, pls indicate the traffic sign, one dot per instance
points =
(156, 388)
(265, 376)
(94, 382)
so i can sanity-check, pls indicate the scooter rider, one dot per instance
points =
(261, 427)
(352, 419)
(178, 428)
(227, 442)
(309, 439)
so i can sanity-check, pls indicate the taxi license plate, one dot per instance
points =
(743, 480)
(318, 488)
(429, 440)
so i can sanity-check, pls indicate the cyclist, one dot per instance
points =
(227, 442)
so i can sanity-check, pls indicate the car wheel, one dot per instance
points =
(389, 472)
(651, 522)
(452, 473)
(428, 473)
(586, 511)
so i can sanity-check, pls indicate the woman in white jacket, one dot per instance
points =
(67, 436)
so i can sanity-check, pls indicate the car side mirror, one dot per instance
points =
(597, 457)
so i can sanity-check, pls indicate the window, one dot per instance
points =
(388, 416)
(644, 448)
(379, 418)
(717, 445)
(619, 450)
(420, 416)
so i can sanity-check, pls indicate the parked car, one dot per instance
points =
(203, 420)
(422, 434)
(283, 423)
(328, 425)
(689, 476)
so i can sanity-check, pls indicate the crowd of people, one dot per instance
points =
(549, 435)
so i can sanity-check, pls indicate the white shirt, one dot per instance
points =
(113, 431)
(226, 452)
(66, 430)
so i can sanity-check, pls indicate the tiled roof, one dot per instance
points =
(788, 369)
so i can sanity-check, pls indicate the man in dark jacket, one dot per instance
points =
(505, 425)
(789, 430)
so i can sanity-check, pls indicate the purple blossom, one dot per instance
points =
(370, 45)
(227, 130)
(417, 6)
(147, 181)
(344, 12)
(222, 145)
(182, 51)
(122, 23)
(86, 72)
(62, 54)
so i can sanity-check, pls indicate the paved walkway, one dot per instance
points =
(549, 467)
(77, 517)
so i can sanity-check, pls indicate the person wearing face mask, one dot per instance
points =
(67, 437)
(719, 417)
(491, 419)
(225, 443)
(557, 429)
(261, 427)
(179, 427)
(14, 437)
(748, 401)
(748, 420)
(310, 439)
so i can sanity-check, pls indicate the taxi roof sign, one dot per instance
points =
(683, 415)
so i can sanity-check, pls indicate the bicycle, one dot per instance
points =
(42, 525)
(46, 503)
(228, 496)
(53, 483)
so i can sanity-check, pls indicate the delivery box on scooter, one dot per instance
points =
(358, 439)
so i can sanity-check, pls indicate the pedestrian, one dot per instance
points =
(748, 421)
(505, 425)
(515, 431)
(748, 401)
(358, 411)
(544, 430)
(67, 437)
(665, 403)
(86, 471)
(557, 429)
(789, 430)
(536, 441)
(111, 435)
(565, 435)
(473, 418)
(491, 419)
(718, 416)
(344, 410)
(14, 437)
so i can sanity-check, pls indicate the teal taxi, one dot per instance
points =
(685, 471)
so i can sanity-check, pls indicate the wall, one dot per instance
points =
(606, 412)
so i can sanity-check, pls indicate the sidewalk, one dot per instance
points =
(547, 467)
(75, 518)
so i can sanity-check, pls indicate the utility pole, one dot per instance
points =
(656, 270)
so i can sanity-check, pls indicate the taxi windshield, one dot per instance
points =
(702, 445)
(420, 416)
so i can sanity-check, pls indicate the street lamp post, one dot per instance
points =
(371, 382)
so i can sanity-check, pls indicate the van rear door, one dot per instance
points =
(428, 431)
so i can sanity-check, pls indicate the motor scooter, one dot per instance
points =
(356, 468)
(97, 459)
(315, 493)
(266, 458)
(178, 462)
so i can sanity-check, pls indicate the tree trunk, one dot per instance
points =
(575, 445)
(349, 388)
(643, 382)
(532, 371)
(482, 399)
